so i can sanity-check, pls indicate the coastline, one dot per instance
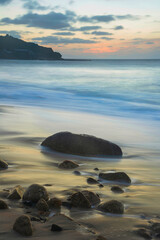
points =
(23, 129)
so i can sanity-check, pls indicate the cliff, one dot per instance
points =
(13, 48)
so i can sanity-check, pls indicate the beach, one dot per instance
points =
(31, 111)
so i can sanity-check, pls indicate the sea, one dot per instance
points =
(123, 88)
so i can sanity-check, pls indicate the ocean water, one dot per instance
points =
(123, 88)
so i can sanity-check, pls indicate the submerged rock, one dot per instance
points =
(81, 144)
(23, 226)
(92, 181)
(16, 193)
(116, 176)
(35, 192)
(3, 164)
(84, 199)
(101, 238)
(112, 206)
(3, 204)
(117, 189)
(67, 164)
(54, 203)
(42, 205)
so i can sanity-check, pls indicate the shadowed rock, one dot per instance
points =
(17, 193)
(42, 205)
(116, 176)
(67, 164)
(23, 226)
(92, 181)
(84, 199)
(117, 189)
(83, 145)
(3, 164)
(35, 192)
(3, 204)
(112, 206)
(54, 203)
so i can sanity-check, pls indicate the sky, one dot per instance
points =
(103, 29)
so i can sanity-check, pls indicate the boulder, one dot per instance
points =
(35, 192)
(54, 203)
(116, 177)
(23, 226)
(117, 189)
(112, 206)
(3, 164)
(92, 181)
(67, 164)
(42, 205)
(81, 144)
(84, 199)
(79, 200)
(156, 228)
(3, 204)
(16, 193)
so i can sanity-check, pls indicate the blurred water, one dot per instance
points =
(125, 88)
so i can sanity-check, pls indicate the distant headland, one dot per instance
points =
(14, 48)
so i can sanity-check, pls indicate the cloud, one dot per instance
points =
(5, 2)
(59, 40)
(85, 28)
(108, 18)
(64, 33)
(120, 27)
(51, 20)
(99, 33)
(13, 33)
(33, 4)
(149, 43)
(107, 38)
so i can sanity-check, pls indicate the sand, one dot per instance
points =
(22, 129)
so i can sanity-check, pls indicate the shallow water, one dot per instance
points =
(35, 105)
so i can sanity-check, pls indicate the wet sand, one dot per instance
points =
(22, 129)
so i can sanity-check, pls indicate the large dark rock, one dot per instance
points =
(34, 193)
(23, 226)
(67, 164)
(112, 206)
(42, 205)
(116, 177)
(84, 145)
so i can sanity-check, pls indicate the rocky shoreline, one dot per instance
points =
(40, 206)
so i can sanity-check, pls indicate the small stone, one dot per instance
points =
(42, 205)
(3, 204)
(117, 189)
(116, 176)
(77, 173)
(23, 226)
(67, 164)
(54, 203)
(56, 228)
(101, 185)
(34, 193)
(92, 181)
(112, 206)
(3, 164)
(142, 232)
(16, 193)
(96, 169)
